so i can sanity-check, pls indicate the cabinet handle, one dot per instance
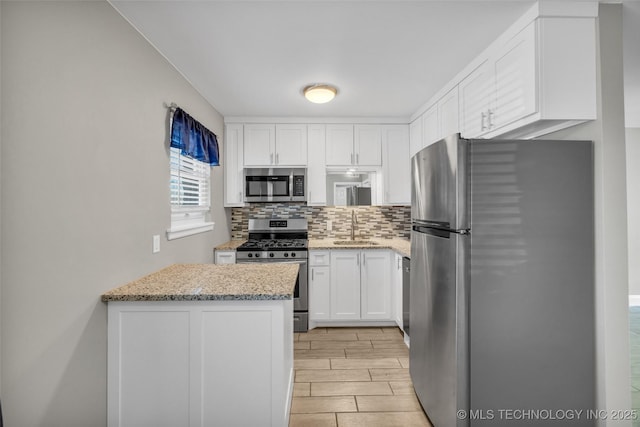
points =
(364, 259)
(240, 196)
(483, 116)
(490, 119)
(271, 158)
(277, 158)
(398, 263)
(357, 159)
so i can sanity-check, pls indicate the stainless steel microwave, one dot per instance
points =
(275, 185)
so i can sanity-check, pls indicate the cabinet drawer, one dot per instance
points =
(319, 258)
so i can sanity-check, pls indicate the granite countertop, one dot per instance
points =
(402, 246)
(231, 245)
(208, 282)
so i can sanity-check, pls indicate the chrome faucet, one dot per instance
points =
(354, 223)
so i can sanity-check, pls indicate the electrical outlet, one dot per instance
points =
(156, 243)
(329, 225)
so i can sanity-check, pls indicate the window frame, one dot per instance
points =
(187, 218)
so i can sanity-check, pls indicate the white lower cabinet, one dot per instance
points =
(320, 292)
(375, 285)
(225, 257)
(179, 363)
(350, 285)
(345, 284)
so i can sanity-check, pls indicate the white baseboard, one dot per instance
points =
(634, 300)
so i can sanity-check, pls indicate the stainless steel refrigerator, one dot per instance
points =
(502, 282)
(358, 196)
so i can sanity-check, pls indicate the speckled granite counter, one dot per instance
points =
(231, 245)
(207, 282)
(402, 246)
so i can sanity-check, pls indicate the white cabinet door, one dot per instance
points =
(259, 145)
(345, 284)
(319, 293)
(316, 166)
(367, 145)
(396, 165)
(448, 113)
(430, 129)
(375, 285)
(225, 257)
(515, 79)
(339, 140)
(149, 343)
(233, 165)
(291, 145)
(415, 136)
(477, 92)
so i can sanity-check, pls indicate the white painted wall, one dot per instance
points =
(85, 179)
(612, 326)
(633, 207)
(631, 23)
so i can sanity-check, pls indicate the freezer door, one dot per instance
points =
(439, 183)
(438, 352)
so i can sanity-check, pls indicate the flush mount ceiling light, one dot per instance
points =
(320, 93)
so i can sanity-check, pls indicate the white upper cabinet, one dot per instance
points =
(268, 145)
(233, 164)
(430, 126)
(291, 145)
(502, 89)
(476, 99)
(415, 136)
(396, 167)
(316, 166)
(448, 114)
(368, 145)
(339, 149)
(441, 119)
(530, 86)
(353, 145)
(259, 144)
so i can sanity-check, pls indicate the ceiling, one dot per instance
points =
(386, 57)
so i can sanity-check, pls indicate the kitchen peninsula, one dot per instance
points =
(202, 344)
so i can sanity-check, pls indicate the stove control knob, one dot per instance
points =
(286, 254)
(250, 255)
(271, 254)
(257, 255)
(293, 254)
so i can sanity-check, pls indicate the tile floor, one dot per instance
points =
(348, 377)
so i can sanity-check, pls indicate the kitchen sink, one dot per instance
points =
(355, 242)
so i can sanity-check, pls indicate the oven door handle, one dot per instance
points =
(302, 261)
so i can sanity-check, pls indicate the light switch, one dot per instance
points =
(156, 243)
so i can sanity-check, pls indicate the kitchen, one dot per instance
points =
(53, 327)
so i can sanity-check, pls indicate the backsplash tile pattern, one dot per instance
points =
(373, 221)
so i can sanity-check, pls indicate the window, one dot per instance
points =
(190, 195)
(194, 149)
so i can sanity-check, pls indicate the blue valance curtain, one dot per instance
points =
(193, 139)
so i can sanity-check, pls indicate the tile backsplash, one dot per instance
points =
(373, 221)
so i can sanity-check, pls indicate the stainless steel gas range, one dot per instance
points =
(281, 240)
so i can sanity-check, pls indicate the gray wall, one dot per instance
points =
(608, 134)
(85, 177)
(633, 207)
